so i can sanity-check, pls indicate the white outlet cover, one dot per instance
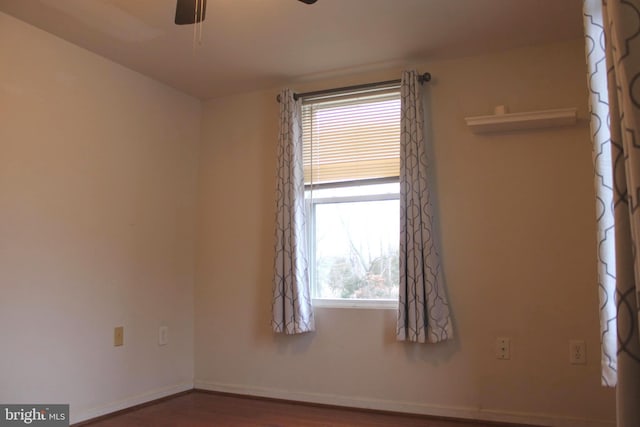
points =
(577, 352)
(163, 335)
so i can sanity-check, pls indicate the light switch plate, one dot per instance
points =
(118, 336)
(503, 348)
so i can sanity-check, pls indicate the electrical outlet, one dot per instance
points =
(118, 336)
(503, 348)
(577, 352)
(163, 335)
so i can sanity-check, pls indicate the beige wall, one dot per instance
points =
(98, 172)
(97, 217)
(517, 224)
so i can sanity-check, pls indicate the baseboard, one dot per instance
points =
(467, 413)
(138, 399)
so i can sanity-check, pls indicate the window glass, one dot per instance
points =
(356, 249)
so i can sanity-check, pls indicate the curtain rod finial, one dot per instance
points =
(279, 98)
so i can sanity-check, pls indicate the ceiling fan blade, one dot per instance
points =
(186, 11)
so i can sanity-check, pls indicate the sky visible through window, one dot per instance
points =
(357, 243)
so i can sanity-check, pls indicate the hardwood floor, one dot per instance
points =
(200, 409)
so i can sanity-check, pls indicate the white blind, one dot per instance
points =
(351, 137)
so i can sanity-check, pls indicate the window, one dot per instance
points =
(351, 163)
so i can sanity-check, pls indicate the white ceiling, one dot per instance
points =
(254, 44)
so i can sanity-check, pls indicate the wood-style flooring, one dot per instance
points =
(200, 409)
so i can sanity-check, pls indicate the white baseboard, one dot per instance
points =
(407, 407)
(138, 399)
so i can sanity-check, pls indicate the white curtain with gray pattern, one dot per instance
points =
(612, 31)
(423, 309)
(292, 311)
(601, 138)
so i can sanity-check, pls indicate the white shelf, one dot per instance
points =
(520, 121)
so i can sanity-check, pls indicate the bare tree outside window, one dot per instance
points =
(357, 250)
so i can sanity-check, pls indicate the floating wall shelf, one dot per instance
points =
(503, 122)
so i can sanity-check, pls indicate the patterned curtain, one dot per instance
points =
(423, 310)
(292, 312)
(601, 138)
(612, 44)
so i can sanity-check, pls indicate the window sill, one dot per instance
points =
(356, 303)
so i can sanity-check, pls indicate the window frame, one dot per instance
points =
(312, 202)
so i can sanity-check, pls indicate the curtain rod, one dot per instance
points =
(422, 79)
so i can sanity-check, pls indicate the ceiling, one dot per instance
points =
(256, 44)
